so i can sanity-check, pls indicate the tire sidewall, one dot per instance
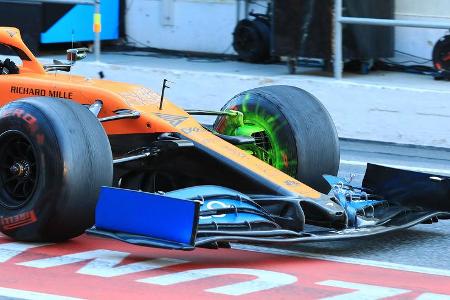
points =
(29, 121)
(75, 160)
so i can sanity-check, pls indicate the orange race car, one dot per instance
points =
(75, 152)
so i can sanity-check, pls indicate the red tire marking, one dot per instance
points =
(13, 222)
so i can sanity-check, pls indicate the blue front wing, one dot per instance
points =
(213, 216)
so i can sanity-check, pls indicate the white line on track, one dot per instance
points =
(417, 169)
(347, 260)
(29, 295)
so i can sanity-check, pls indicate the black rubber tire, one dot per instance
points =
(251, 40)
(73, 160)
(304, 129)
(441, 50)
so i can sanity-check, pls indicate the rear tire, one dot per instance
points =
(57, 154)
(302, 136)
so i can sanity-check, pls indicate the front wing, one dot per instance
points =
(213, 216)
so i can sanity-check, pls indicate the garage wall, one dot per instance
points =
(193, 25)
(207, 25)
(420, 41)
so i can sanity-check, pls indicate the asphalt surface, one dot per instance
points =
(423, 245)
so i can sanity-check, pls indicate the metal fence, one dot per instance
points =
(339, 20)
(95, 3)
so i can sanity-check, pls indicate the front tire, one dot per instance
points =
(298, 135)
(54, 157)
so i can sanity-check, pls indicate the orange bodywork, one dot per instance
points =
(34, 81)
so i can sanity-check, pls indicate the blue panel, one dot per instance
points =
(239, 218)
(229, 218)
(205, 191)
(224, 202)
(80, 20)
(147, 214)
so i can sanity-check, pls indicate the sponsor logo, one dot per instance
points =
(291, 182)
(172, 119)
(27, 117)
(140, 96)
(192, 130)
(13, 222)
(20, 113)
(41, 92)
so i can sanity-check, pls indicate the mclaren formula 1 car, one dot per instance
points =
(120, 161)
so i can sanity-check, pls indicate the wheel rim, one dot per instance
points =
(18, 169)
(269, 147)
(267, 142)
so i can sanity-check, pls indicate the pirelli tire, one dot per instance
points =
(54, 157)
(297, 127)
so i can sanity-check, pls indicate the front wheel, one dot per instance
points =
(292, 129)
(54, 157)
